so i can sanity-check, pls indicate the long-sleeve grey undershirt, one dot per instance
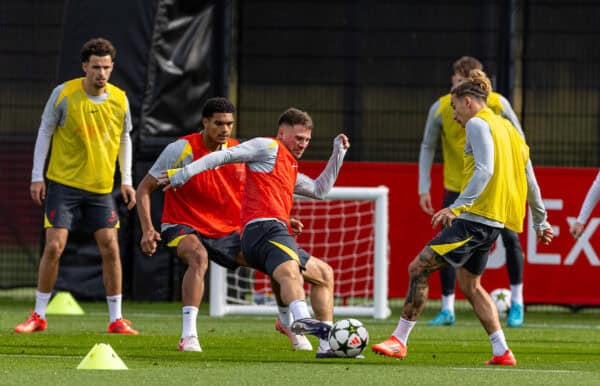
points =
(260, 155)
(480, 145)
(53, 117)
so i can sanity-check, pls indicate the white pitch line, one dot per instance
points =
(39, 356)
(503, 368)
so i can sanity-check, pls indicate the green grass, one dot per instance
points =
(553, 348)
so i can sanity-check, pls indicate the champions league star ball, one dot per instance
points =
(501, 298)
(348, 338)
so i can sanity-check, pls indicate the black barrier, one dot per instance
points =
(168, 65)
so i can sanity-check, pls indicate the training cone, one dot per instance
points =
(102, 357)
(63, 303)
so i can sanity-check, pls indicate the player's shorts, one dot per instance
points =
(449, 197)
(65, 205)
(266, 244)
(221, 250)
(465, 244)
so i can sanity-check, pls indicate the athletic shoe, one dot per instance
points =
(299, 342)
(32, 324)
(444, 318)
(390, 347)
(189, 343)
(122, 326)
(310, 326)
(516, 315)
(325, 353)
(506, 359)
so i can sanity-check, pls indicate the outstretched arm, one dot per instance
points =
(320, 186)
(590, 201)
(253, 150)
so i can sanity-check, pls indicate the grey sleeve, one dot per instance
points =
(535, 201)
(319, 187)
(252, 151)
(431, 136)
(51, 118)
(126, 149)
(480, 143)
(509, 113)
(171, 157)
(591, 199)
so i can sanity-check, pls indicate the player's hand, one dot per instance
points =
(545, 236)
(425, 203)
(297, 226)
(576, 230)
(149, 241)
(443, 217)
(341, 141)
(163, 179)
(37, 190)
(128, 194)
(173, 178)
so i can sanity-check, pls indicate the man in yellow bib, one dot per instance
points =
(498, 181)
(88, 123)
(440, 124)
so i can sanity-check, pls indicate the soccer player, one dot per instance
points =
(440, 123)
(272, 178)
(590, 201)
(201, 221)
(88, 122)
(499, 180)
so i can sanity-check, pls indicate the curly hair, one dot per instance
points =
(97, 47)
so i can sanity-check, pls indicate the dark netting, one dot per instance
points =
(29, 50)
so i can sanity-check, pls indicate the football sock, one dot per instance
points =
(189, 313)
(324, 343)
(285, 316)
(402, 331)
(498, 341)
(41, 303)
(299, 309)
(516, 293)
(448, 303)
(114, 307)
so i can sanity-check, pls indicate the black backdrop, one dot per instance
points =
(170, 59)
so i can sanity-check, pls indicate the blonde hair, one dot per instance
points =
(476, 85)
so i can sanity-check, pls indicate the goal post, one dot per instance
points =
(348, 230)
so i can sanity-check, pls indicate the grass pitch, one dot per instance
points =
(552, 348)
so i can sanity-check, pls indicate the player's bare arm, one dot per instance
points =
(150, 237)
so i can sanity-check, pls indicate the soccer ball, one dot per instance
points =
(501, 298)
(348, 338)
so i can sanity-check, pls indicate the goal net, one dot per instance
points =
(348, 230)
